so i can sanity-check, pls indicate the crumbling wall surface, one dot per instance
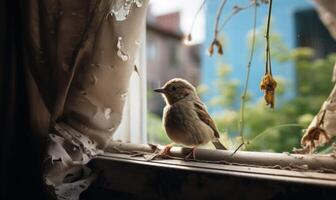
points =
(82, 54)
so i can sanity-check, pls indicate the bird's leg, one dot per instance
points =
(191, 154)
(166, 150)
(161, 154)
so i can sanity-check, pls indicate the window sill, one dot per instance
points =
(304, 177)
(284, 161)
(138, 178)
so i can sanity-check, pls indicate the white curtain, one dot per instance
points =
(82, 54)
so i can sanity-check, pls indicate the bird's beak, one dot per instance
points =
(160, 90)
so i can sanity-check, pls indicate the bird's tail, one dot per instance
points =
(218, 144)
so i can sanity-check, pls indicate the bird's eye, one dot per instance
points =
(173, 88)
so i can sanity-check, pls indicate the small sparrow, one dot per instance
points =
(185, 118)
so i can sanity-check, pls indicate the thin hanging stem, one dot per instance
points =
(216, 42)
(268, 84)
(269, 19)
(247, 78)
(195, 17)
(218, 15)
(268, 53)
(269, 62)
(235, 11)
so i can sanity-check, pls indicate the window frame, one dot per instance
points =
(133, 126)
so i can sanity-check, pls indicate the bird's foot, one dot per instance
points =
(164, 153)
(191, 155)
(166, 150)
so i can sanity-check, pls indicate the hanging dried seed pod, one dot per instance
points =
(187, 39)
(215, 43)
(268, 85)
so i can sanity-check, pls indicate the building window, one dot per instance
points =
(310, 32)
(312, 35)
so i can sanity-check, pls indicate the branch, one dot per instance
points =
(236, 10)
(268, 58)
(188, 37)
(248, 69)
(218, 15)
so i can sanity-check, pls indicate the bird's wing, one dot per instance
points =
(202, 113)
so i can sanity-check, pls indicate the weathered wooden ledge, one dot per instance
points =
(298, 162)
(125, 169)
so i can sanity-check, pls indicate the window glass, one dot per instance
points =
(302, 53)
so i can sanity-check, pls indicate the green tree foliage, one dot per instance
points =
(280, 130)
(155, 131)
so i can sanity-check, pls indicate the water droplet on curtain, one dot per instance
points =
(61, 13)
(107, 113)
(138, 3)
(121, 9)
(93, 79)
(124, 96)
(111, 129)
(121, 54)
(119, 42)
